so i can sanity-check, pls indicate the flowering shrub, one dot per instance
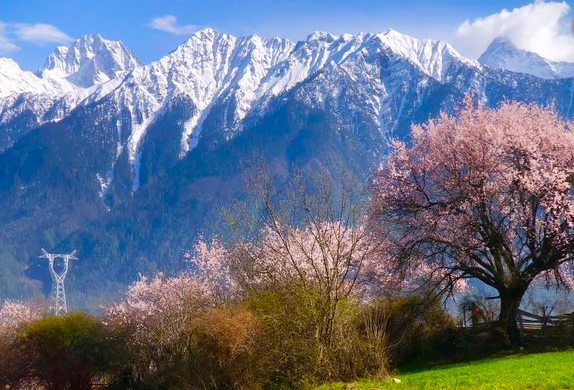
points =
(14, 314)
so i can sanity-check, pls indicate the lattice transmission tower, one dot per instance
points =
(59, 305)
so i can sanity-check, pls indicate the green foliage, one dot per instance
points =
(269, 340)
(228, 351)
(360, 343)
(60, 353)
(289, 336)
(290, 322)
(223, 351)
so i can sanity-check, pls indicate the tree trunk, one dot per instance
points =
(507, 327)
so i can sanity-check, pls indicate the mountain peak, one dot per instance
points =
(88, 61)
(431, 56)
(207, 32)
(202, 37)
(499, 49)
(391, 32)
(9, 63)
(503, 54)
(502, 41)
(321, 36)
(90, 37)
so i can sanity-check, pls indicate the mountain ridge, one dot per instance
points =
(138, 165)
(248, 70)
(91, 68)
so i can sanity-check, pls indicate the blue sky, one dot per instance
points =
(30, 29)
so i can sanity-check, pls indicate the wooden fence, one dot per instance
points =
(525, 320)
(474, 317)
(528, 320)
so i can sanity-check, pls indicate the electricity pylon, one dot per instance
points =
(58, 291)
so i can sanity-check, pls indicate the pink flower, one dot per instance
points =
(485, 194)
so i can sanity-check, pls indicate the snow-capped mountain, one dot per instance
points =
(88, 61)
(127, 162)
(15, 81)
(83, 72)
(212, 70)
(207, 67)
(503, 54)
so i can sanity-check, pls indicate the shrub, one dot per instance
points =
(417, 329)
(360, 344)
(289, 336)
(60, 353)
(153, 318)
(220, 349)
(356, 349)
(228, 352)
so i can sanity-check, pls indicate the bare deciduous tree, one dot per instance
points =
(313, 237)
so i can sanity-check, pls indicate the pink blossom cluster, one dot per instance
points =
(487, 193)
(149, 297)
(212, 266)
(159, 308)
(333, 257)
(16, 313)
(209, 283)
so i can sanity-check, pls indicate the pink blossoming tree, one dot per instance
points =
(312, 241)
(486, 194)
(321, 263)
(156, 311)
(211, 261)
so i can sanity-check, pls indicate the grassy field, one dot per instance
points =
(551, 370)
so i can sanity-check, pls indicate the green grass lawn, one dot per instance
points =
(551, 370)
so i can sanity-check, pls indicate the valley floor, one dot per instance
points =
(544, 371)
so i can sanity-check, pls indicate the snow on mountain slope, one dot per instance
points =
(432, 57)
(219, 76)
(15, 81)
(22, 91)
(211, 66)
(319, 49)
(88, 61)
(357, 58)
(84, 72)
(208, 66)
(503, 54)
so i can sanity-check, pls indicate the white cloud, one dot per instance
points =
(40, 33)
(6, 45)
(541, 27)
(168, 23)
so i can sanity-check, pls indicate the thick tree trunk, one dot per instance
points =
(507, 328)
